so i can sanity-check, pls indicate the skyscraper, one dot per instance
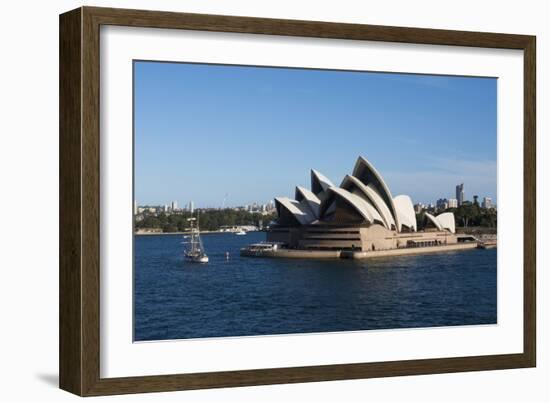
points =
(442, 204)
(460, 193)
(453, 203)
(418, 207)
(487, 202)
(174, 205)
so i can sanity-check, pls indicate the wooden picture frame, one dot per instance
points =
(80, 186)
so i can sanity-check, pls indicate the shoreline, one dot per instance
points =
(359, 255)
(188, 233)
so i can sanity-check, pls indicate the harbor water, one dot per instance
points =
(243, 296)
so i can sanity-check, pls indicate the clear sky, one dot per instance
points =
(248, 134)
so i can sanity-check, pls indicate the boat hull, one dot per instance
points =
(198, 259)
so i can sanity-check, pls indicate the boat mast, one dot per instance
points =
(196, 252)
(193, 235)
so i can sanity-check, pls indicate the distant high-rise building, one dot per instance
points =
(442, 204)
(487, 202)
(418, 207)
(191, 207)
(453, 203)
(475, 199)
(135, 207)
(460, 193)
(174, 205)
(166, 208)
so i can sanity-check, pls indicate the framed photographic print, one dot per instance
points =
(249, 201)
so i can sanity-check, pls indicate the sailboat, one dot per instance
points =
(195, 252)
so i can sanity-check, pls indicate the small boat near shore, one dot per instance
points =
(240, 232)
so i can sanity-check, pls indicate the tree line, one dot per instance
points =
(210, 220)
(467, 215)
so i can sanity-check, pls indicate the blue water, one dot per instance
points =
(175, 299)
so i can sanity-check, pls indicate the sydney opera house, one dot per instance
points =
(361, 215)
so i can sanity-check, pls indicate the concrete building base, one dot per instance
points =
(355, 254)
(348, 254)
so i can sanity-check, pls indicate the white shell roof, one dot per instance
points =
(434, 221)
(310, 199)
(363, 207)
(447, 221)
(320, 179)
(372, 195)
(443, 221)
(405, 211)
(380, 187)
(299, 210)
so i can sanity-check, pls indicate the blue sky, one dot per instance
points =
(248, 134)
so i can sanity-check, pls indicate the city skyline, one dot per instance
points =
(186, 206)
(229, 135)
(452, 202)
